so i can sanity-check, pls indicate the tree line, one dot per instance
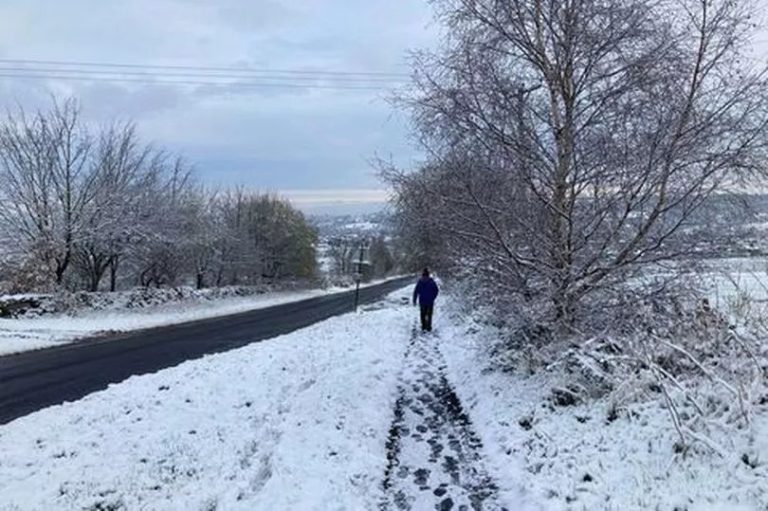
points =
(92, 209)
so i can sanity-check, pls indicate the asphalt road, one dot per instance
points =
(37, 379)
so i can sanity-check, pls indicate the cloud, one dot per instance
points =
(245, 17)
(273, 137)
(107, 101)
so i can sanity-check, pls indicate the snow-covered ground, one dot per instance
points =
(574, 458)
(296, 422)
(729, 278)
(358, 413)
(24, 334)
(436, 458)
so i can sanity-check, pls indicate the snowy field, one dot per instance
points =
(731, 278)
(295, 422)
(24, 334)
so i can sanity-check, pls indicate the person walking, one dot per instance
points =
(425, 292)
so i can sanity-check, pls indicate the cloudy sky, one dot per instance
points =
(309, 136)
(282, 137)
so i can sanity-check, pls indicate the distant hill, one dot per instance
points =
(352, 225)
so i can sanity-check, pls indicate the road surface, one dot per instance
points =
(37, 379)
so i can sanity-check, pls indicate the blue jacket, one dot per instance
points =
(426, 291)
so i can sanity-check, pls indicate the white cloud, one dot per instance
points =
(270, 137)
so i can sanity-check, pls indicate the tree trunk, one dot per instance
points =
(113, 265)
(95, 280)
(61, 268)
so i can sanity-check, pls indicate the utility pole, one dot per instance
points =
(359, 273)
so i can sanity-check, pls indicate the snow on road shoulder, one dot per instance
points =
(573, 458)
(296, 422)
(24, 334)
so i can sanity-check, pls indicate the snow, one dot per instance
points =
(362, 225)
(727, 278)
(21, 296)
(436, 458)
(296, 422)
(573, 458)
(24, 334)
(356, 412)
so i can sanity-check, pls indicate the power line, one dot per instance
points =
(249, 70)
(237, 84)
(174, 74)
(30, 69)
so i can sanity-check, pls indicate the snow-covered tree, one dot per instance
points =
(47, 183)
(572, 142)
(113, 218)
(79, 203)
(381, 258)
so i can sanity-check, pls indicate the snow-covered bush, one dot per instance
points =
(25, 274)
(64, 302)
(707, 366)
(335, 280)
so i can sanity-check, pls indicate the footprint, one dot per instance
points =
(421, 476)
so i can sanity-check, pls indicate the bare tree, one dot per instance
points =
(380, 255)
(572, 141)
(77, 206)
(341, 250)
(113, 216)
(205, 235)
(46, 181)
(160, 251)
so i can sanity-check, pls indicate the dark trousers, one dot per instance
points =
(426, 317)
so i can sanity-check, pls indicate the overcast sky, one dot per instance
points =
(275, 138)
(266, 138)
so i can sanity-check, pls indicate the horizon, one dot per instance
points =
(337, 202)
